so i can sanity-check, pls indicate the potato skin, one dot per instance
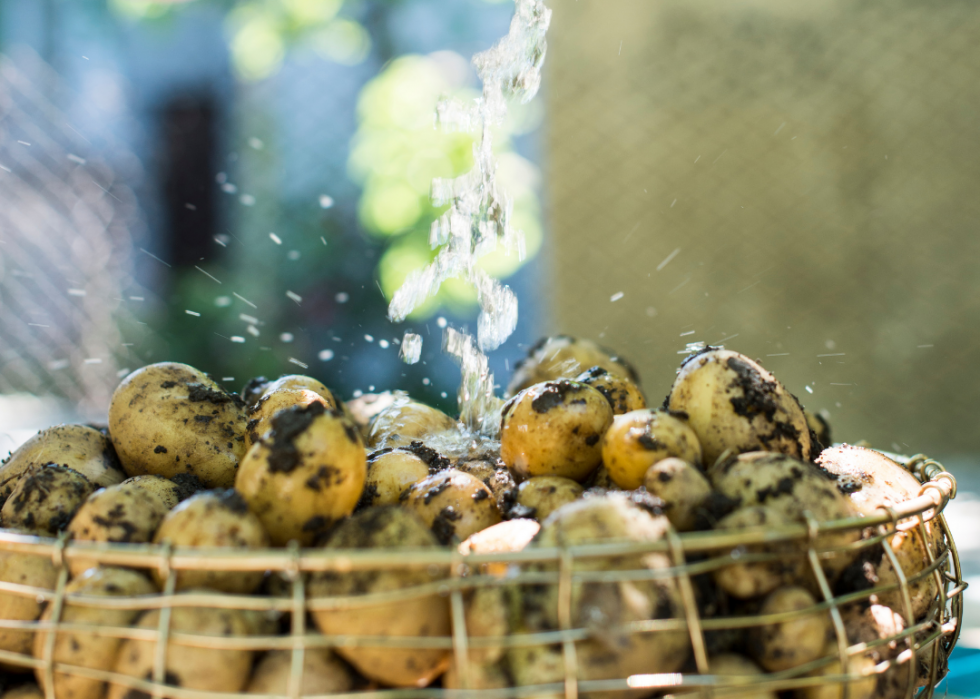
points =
(748, 580)
(733, 403)
(271, 404)
(453, 504)
(683, 488)
(389, 474)
(623, 395)
(554, 429)
(509, 536)
(385, 527)
(322, 673)
(545, 494)
(308, 472)
(170, 418)
(213, 518)
(45, 499)
(23, 569)
(78, 447)
(565, 357)
(794, 642)
(168, 491)
(405, 421)
(209, 669)
(639, 439)
(85, 649)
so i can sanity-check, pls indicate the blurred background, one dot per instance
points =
(242, 184)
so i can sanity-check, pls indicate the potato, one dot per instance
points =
(787, 644)
(564, 357)
(123, 513)
(23, 569)
(542, 495)
(554, 429)
(253, 390)
(23, 691)
(747, 580)
(865, 623)
(389, 474)
(512, 535)
(871, 480)
(45, 499)
(601, 479)
(453, 504)
(638, 440)
(682, 487)
(78, 447)
(168, 491)
(363, 408)
(623, 395)
(481, 676)
(604, 609)
(428, 615)
(857, 689)
(733, 403)
(271, 404)
(819, 430)
(406, 421)
(170, 418)
(792, 488)
(306, 474)
(727, 665)
(188, 666)
(218, 519)
(86, 649)
(322, 674)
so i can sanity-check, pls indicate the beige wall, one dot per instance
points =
(817, 164)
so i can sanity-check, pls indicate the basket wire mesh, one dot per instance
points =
(930, 638)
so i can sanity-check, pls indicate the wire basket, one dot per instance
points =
(927, 641)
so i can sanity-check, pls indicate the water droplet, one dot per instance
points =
(275, 238)
(383, 344)
(256, 143)
(411, 349)
(615, 297)
(342, 297)
(368, 338)
(247, 200)
(325, 355)
(286, 337)
(326, 201)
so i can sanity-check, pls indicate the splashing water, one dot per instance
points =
(479, 214)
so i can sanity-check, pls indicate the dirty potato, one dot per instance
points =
(271, 404)
(322, 674)
(733, 403)
(564, 357)
(213, 519)
(189, 666)
(542, 495)
(454, 505)
(494, 474)
(45, 499)
(682, 487)
(87, 649)
(748, 580)
(405, 421)
(871, 481)
(168, 491)
(425, 615)
(32, 571)
(554, 429)
(391, 472)
(819, 430)
(639, 439)
(732, 665)
(623, 395)
(170, 418)
(307, 473)
(78, 447)
(796, 641)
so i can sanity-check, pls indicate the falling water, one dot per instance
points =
(479, 215)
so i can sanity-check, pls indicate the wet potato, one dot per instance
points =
(554, 429)
(406, 421)
(623, 395)
(564, 357)
(639, 439)
(271, 404)
(306, 474)
(45, 499)
(391, 473)
(170, 418)
(542, 495)
(682, 487)
(453, 504)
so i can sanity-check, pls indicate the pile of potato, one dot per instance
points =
(579, 458)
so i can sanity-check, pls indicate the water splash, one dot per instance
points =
(479, 215)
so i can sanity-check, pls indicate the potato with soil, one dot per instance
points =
(748, 580)
(32, 571)
(494, 474)
(189, 666)
(623, 395)
(86, 649)
(453, 504)
(306, 474)
(638, 440)
(23, 691)
(323, 673)
(819, 430)
(45, 499)
(605, 609)
(170, 418)
(792, 488)
(727, 666)
(390, 473)
(123, 513)
(787, 644)
(682, 487)
(554, 429)
(406, 421)
(871, 481)
(564, 357)
(169, 491)
(271, 404)
(542, 495)
(427, 615)
(213, 519)
(732, 403)
(78, 447)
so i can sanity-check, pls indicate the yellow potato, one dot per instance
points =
(748, 580)
(453, 504)
(682, 487)
(271, 404)
(45, 499)
(322, 674)
(389, 474)
(23, 569)
(542, 495)
(170, 418)
(623, 395)
(305, 475)
(732, 403)
(169, 491)
(564, 357)
(554, 429)
(786, 644)
(494, 474)
(405, 421)
(639, 439)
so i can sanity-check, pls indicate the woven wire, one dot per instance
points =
(932, 637)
